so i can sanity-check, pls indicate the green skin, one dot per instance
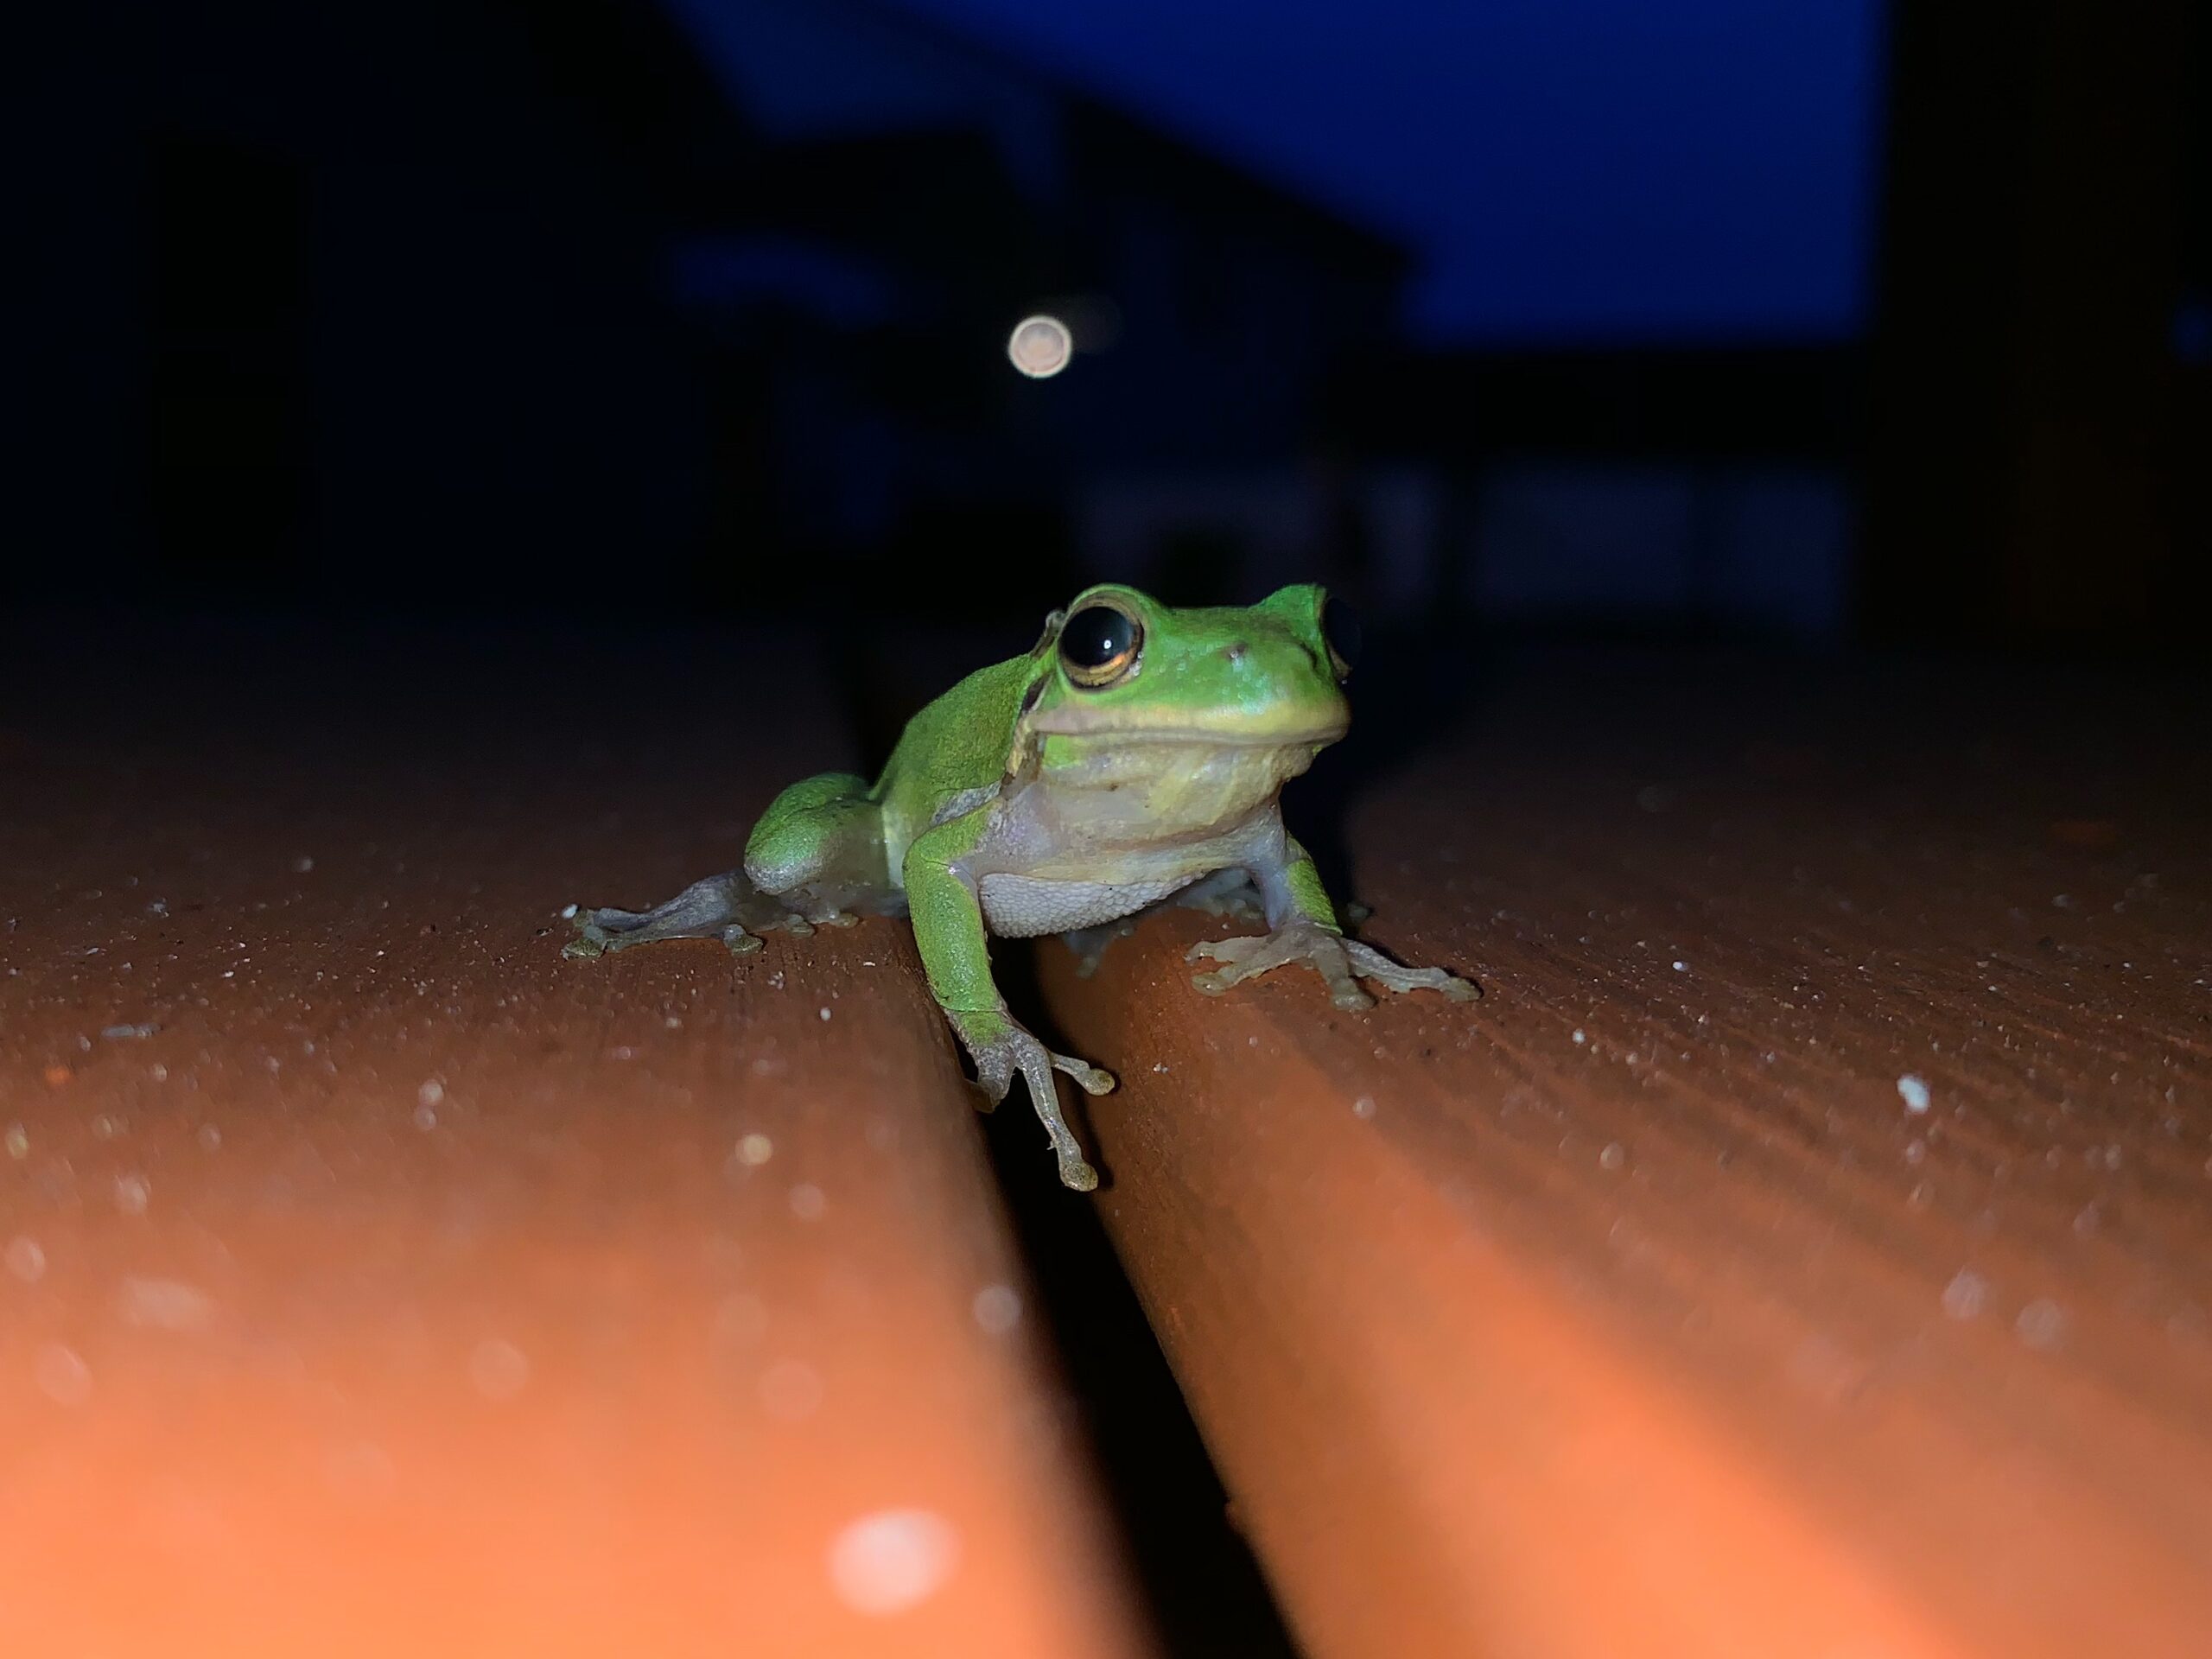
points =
(1024, 802)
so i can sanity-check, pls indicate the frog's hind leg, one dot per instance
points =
(719, 908)
(818, 850)
(815, 859)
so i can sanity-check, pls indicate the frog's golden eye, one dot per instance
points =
(1340, 633)
(1099, 645)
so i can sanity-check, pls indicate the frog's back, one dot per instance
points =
(953, 752)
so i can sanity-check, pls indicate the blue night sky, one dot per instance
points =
(1573, 169)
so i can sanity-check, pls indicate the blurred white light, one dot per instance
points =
(1040, 346)
(893, 1559)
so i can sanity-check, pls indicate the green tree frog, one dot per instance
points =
(1135, 754)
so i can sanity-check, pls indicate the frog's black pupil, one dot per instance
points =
(1340, 627)
(1096, 635)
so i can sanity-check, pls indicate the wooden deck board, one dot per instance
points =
(1634, 1309)
(403, 1287)
(401, 1284)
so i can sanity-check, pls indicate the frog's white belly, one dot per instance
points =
(1022, 906)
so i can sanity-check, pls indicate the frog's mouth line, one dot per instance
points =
(1170, 735)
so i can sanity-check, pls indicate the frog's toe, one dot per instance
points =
(1370, 964)
(1232, 950)
(1214, 981)
(1335, 968)
(591, 940)
(1239, 959)
(1036, 1063)
(799, 914)
(600, 933)
(1092, 1079)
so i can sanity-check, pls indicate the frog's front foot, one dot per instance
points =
(1342, 963)
(1000, 1048)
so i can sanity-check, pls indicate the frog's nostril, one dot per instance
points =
(1238, 652)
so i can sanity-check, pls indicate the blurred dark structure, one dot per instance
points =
(681, 306)
(618, 305)
(2041, 395)
(353, 300)
(1671, 486)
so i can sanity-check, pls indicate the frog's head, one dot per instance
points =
(1266, 676)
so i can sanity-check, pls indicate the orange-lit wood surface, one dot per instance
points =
(396, 1287)
(376, 1280)
(1636, 1309)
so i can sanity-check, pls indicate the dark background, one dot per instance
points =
(1848, 324)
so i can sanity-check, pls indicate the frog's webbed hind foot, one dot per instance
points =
(724, 907)
(1341, 962)
(719, 908)
(801, 923)
(730, 908)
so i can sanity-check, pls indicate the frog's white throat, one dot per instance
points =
(1134, 789)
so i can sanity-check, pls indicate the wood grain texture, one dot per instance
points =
(1636, 1309)
(391, 1285)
